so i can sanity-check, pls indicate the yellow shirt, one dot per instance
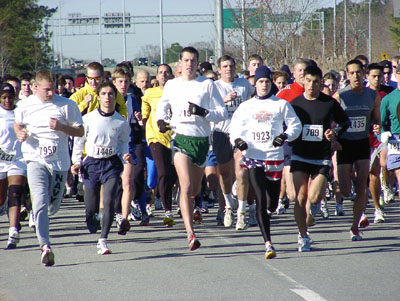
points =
(150, 101)
(79, 98)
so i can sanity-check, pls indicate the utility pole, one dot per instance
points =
(61, 46)
(244, 45)
(219, 23)
(345, 30)
(334, 28)
(369, 31)
(123, 26)
(161, 34)
(100, 46)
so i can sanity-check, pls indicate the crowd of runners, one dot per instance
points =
(206, 135)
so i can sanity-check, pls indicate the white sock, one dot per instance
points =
(252, 207)
(228, 200)
(241, 206)
(12, 229)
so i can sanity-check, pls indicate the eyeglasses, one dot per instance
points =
(387, 73)
(93, 78)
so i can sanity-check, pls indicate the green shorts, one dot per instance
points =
(196, 148)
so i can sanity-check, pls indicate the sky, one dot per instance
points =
(87, 46)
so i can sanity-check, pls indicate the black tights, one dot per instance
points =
(92, 203)
(267, 196)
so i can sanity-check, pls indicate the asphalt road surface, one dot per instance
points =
(154, 263)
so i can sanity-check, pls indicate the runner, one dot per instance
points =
(257, 132)
(311, 158)
(160, 143)
(106, 139)
(12, 165)
(362, 107)
(234, 91)
(43, 122)
(194, 102)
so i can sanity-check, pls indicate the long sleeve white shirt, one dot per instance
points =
(176, 97)
(105, 136)
(259, 121)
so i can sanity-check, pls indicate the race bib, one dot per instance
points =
(185, 115)
(233, 105)
(261, 134)
(103, 151)
(48, 151)
(7, 156)
(394, 148)
(357, 124)
(313, 132)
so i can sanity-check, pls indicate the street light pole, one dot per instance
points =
(161, 34)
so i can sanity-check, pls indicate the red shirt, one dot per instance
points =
(291, 92)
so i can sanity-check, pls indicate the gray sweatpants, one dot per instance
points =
(47, 189)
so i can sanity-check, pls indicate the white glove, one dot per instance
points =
(385, 136)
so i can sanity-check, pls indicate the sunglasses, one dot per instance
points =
(387, 73)
(93, 78)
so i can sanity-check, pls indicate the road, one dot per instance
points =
(154, 263)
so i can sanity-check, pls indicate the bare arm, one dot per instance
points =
(377, 115)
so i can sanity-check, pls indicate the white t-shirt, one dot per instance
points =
(44, 145)
(105, 136)
(10, 147)
(244, 91)
(259, 121)
(176, 97)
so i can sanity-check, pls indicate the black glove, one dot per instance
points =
(196, 110)
(240, 144)
(163, 126)
(279, 140)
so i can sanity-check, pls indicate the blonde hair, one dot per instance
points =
(45, 75)
(120, 72)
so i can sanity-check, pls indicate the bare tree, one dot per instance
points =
(152, 52)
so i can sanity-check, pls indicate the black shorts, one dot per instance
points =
(222, 147)
(308, 168)
(353, 150)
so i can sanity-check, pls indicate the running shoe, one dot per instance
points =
(252, 218)
(31, 220)
(241, 221)
(270, 252)
(197, 218)
(220, 217)
(102, 248)
(299, 238)
(47, 256)
(149, 210)
(193, 242)
(355, 234)
(388, 195)
(169, 219)
(145, 220)
(124, 226)
(324, 209)
(281, 207)
(157, 204)
(13, 239)
(204, 208)
(179, 212)
(304, 244)
(364, 222)
(118, 220)
(228, 217)
(135, 214)
(339, 209)
(23, 214)
(378, 216)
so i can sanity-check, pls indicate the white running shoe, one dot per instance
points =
(281, 207)
(102, 248)
(169, 219)
(31, 220)
(388, 194)
(241, 221)
(324, 209)
(378, 216)
(47, 256)
(149, 210)
(13, 238)
(228, 217)
(252, 218)
(118, 220)
(304, 244)
(135, 214)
